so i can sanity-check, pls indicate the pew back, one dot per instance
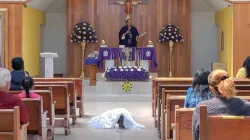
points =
(223, 127)
(34, 108)
(71, 89)
(78, 83)
(47, 102)
(10, 124)
(60, 96)
(183, 123)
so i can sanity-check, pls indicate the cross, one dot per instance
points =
(128, 6)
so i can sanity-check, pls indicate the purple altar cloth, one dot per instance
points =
(115, 53)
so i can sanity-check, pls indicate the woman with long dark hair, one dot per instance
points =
(199, 91)
(244, 72)
(27, 84)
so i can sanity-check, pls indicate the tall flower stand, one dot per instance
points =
(92, 63)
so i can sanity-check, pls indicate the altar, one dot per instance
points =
(137, 57)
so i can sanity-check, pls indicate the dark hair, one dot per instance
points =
(17, 63)
(27, 84)
(246, 65)
(200, 81)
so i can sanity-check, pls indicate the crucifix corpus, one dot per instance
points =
(128, 6)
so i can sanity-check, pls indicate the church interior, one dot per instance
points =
(125, 69)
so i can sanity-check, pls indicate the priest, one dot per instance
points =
(128, 35)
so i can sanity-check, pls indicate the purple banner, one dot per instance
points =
(135, 53)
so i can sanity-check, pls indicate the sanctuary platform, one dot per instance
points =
(106, 91)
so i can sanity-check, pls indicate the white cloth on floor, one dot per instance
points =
(110, 118)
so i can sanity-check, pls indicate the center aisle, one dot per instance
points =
(140, 110)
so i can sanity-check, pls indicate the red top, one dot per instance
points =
(9, 101)
(32, 95)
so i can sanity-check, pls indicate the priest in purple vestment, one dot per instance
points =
(128, 35)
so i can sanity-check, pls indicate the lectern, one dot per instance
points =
(49, 63)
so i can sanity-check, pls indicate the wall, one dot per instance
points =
(223, 19)
(241, 41)
(54, 35)
(32, 20)
(108, 18)
(15, 25)
(204, 40)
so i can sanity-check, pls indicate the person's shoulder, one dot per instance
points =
(14, 98)
(242, 73)
(189, 90)
(206, 103)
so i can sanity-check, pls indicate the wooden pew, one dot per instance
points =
(183, 123)
(10, 128)
(243, 85)
(184, 81)
(164, 81)
(159, 98)
(35, 110)
(223, 127)
(48, 106)
(72, 93)
(169, 102)
(78, 88)
(62, 109)
(183, 119)
(168, 111)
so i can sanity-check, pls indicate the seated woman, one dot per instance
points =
(224, 103)
(27, 84)
(199, 91)
(17, 74)
(244, 72)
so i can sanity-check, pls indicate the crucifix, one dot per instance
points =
(128, 6)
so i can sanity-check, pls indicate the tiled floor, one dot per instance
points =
(140, 110)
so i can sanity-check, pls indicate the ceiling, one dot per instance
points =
(197, 5)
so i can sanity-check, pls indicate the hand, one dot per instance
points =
(137, 38)
(128, 31)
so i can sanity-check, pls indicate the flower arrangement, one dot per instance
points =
(83, 32)
(170, 33)
(127, 74)
(93, 55)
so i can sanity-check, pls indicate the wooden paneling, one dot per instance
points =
(149, 17)
(241, 34)
(15, 22)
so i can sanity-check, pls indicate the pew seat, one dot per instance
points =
(10, 128)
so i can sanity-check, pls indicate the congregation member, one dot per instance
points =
(17, 74)
(9, 101)
(224, 103)
(244, 72)
(27, 84)
(199, 91)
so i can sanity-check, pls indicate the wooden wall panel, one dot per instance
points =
(108, 19)
(241, 34)
(15, 26)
